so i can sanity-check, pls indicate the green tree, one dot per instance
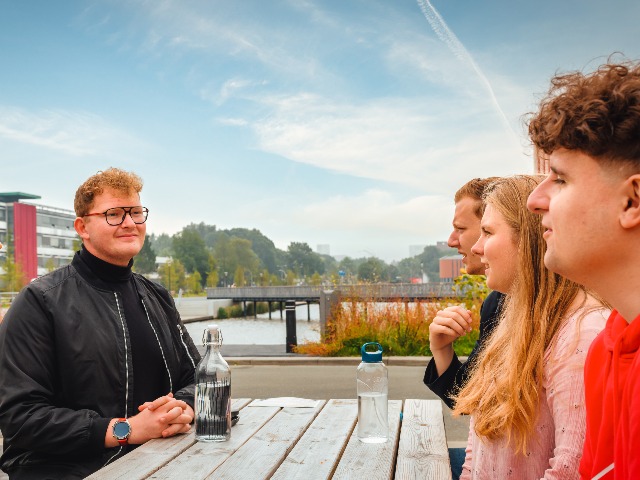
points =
(262, 246)
(430, 259)
(14, 277)
(190, 249)
(410, 267)
(212, 277)
(303, 260)
(50, 265)
(265, 278)
(162, 244)
(233, 254)
(373, 270)
(238, 277)
(350, 268)
(291, 278)
(172, 275)
(472, 287)
(145, 261)
(193, 282)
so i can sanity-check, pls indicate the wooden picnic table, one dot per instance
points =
(316, 440)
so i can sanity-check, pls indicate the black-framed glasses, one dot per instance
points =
(115, 216)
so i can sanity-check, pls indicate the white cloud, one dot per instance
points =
(233, 122)
(416, 142)
(73, 133)
(376, 207)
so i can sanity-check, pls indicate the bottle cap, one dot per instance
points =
(371, 357)
(212, 335)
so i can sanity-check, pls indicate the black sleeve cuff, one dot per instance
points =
(98, 433)
(445, 385)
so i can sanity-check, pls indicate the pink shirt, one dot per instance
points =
(555, 446)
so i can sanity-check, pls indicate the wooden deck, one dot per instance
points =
(311, 440)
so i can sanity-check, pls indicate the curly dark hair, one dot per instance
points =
(596, 113)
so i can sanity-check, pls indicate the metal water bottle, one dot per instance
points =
(213, 391)
(373, 392)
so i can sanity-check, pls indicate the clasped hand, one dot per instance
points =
(164, 417)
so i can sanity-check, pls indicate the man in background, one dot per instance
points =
(445, 374)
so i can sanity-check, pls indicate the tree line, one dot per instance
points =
(204, 256)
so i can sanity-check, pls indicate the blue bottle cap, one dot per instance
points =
(371, 357)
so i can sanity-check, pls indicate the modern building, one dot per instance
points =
(450, 267)
(41, 237)
(324, 249)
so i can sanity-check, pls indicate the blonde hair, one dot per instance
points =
(504, 389)
(113, 178)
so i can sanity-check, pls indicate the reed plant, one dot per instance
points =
(402, 328)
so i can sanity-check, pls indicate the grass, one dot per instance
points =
(400, 327)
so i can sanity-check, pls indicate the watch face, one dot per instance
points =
(121, 430)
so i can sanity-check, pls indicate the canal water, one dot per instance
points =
(261, 330)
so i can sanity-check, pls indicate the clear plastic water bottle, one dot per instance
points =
(373, 392)
(213, 391)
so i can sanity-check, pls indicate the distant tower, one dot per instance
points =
(324, 249)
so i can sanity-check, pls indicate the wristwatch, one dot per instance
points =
(122, 431)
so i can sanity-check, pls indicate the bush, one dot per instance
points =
(262, 307)
(400, 327)
(222, 313)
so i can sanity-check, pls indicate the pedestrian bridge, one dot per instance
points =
(328, 297)
(377, 292)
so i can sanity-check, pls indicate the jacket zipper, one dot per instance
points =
(185, 346)
(159, 344)
(126, 364)
(126, 357)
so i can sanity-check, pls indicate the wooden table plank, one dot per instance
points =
(148, 458)
(198, 461)
(373, 461)
(422, 451)
(316, 454)
(263, 453)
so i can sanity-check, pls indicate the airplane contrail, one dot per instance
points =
(445, 34)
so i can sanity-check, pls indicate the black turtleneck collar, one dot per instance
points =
(105, 271)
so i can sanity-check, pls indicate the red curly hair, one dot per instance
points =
(113, 178)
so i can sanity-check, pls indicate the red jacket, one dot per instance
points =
(612, 391)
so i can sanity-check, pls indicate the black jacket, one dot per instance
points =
(65, 368)
(454, 377)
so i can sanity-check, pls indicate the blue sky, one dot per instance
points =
(341, 122)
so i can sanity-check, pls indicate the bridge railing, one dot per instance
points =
(365, 291)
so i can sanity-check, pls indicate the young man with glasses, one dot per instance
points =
(94, 358)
